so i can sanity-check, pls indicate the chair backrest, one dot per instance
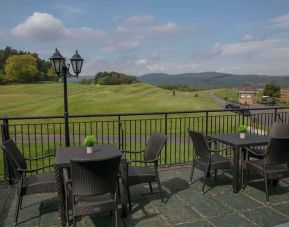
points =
(154, 146)
(279, 130)
(94, 177)
(14, 154)
(277, 151)
(200, 144)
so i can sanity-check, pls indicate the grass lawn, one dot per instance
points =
(47, 99)
(227, 94)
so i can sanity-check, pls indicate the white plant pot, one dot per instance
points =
(89, 150)
(242, 135)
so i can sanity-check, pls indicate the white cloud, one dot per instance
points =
(87, 33)
(139, 65)
(216, 50)
(279, 22)
(140, 19)
(68, 8)
(123, 47)
(141, 61)
(41, 26)
(249, 46)
(118, 17)
(247, 38)
(162, 30)
(121, 29)
(45, 27)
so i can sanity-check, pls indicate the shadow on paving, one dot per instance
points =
(184, 204)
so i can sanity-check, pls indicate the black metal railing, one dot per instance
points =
(39, 137)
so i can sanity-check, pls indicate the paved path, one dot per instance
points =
(217, 99)
(184, 204)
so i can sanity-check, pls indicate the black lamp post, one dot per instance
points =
(62, 70)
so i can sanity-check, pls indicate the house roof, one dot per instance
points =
(247, 87)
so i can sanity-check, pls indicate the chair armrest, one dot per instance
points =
(215, 151)
(133, 152)
(252, 152)
(209, 141)
(220, 150)
(33, 170)
(37, 158)
(142, 161)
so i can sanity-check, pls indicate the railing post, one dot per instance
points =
(7, 165)
(207, 123)
(5, 131)
(275, 114)
(166, 132)
(66, 126)
(243, 117)
(120, 142)
(66, 116)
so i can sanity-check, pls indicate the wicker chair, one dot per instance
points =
(273, 166)
(278, 129)
(146, 174)
(93, 187)
(206, 159)
(37, 183)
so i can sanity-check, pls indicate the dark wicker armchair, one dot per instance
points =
(206, 159)
(37, 183)
(93, 187)
(146, 174)
(273, 166)
(278, 129)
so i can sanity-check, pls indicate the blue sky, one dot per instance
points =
(145, 36)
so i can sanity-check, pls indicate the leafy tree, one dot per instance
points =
(42, 65)
(272, 90)
(178, 87)
(51, 75)
(2, 80)
(21, 68)
(104, 80)
(86, 81)
(110, 78)
(5, 54)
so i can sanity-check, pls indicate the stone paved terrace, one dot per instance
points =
(185, 206)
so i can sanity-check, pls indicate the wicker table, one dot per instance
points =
(63, 156)
(234, 141)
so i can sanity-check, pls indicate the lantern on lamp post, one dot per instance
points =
(62, 70)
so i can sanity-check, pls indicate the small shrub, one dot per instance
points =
(242, 129)
(89, 141)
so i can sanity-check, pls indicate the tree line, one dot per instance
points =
(22, 67)
(110, 78)
(179, 87)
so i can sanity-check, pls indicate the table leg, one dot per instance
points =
(236, 170)
(123, 187)
(60, 194)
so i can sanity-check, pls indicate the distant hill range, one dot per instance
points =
(213, 79)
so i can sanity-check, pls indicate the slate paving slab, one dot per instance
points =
(184, 204)
(241, 202)
(232, 220)
(4, 192)
(265, 216)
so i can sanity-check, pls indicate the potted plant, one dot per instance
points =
(89, 141)
(242, 130)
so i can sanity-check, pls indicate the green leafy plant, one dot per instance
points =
(89, 141)
(242, 129)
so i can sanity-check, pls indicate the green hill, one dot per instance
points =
(213, 79)
(47, 99)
